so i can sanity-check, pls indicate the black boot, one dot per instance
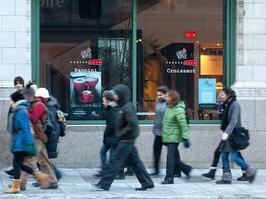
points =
(210, 174)
(9, 172)
(243, 177)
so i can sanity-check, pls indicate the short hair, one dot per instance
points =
(19, 79)
(108, 95)
(163, 89)
(175, 97)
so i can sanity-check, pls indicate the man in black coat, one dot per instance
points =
(127, 130)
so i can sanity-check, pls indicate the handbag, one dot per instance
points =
(31, 149)
(239, 139)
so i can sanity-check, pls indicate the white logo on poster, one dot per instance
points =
(207, 97)
(86, 53)
(181, 54)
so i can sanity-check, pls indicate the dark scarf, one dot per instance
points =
(226, 107)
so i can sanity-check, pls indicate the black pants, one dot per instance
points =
(157, 149)
(173, 161)
(217, 154)
(17, 164)
(126, 154)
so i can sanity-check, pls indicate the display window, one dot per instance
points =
(87, 47)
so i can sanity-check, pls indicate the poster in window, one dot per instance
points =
(85, 95)
(180, 58)
(207, 91)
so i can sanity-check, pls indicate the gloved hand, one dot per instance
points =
(186, 143)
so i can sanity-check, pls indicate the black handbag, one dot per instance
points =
(239, 139)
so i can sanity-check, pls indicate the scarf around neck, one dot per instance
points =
(226, 107)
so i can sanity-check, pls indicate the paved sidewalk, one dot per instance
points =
(75, 184)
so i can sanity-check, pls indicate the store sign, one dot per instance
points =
(190, 62)
(180, 58)
(52, 3)
(95, 62)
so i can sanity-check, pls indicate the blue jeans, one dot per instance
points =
(57, 171)
(103, 151)
(235, 158)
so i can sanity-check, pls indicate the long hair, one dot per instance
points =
(175, 96)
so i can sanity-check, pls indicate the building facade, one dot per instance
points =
(195, 47)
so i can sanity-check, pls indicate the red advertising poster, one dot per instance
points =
(85, 95)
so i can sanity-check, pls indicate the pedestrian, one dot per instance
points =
(175, 131)
(38, 116)
(18, 84)
(231, 118)
(126, 154)
(109, 138)
(21, 141)
(217, 153)
(158, 126)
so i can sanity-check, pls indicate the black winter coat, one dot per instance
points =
(127, 129)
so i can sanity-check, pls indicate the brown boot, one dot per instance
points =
(15, 186)
(42, 178)
(226, 177)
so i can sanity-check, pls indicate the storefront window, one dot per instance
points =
(180, 44)
(86, 47)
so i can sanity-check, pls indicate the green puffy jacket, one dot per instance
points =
(175, 126)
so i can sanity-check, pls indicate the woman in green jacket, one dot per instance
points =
(175, 130)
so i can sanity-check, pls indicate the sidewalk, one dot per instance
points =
(75, 184)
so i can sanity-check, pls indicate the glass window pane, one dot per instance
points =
(180, 44)
(85, 46)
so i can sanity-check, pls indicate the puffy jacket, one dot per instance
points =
(175, 127)
(127, 129)
(20, 134)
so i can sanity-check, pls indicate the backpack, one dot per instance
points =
(55, 124)
(54, 127)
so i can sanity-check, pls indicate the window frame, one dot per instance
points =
(229, 58)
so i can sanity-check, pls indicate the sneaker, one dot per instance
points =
(145, 188)
(167, 182)
(99, 187)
